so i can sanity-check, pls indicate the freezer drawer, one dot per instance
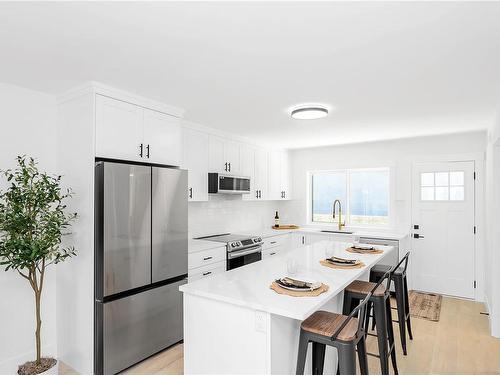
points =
(140, 325)
(123, 245)
(170, 224)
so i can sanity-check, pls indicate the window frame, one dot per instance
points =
(346, 209)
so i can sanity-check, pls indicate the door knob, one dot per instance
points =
(416, 235)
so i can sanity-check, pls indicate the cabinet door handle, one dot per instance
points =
(256, 194)
(207, 273)
(229, 167)
(140, 150)
(147, 151)
(190, 192)
(303, 240)
(284, 194)
(207, 258)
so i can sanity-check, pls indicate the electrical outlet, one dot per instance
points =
(260, 321)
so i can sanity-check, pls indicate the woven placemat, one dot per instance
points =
(336, 266)
(314, 293)
(358, 251)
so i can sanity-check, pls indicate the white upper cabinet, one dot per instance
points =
(126, 131)
(261, 175)
(274, 173)
(162, 138)
(119, 129)
(247, 169)
(224, 155)
(195, 160)
(279, 175)
(285, 176)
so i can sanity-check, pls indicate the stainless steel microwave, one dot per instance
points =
(228, 184)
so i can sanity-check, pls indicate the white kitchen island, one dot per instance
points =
(235, 324)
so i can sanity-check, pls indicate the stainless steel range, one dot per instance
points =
(241, 249)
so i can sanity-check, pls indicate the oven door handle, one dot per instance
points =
(237, 254)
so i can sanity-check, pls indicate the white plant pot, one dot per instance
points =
(54, 370)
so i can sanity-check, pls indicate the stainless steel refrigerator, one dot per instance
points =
(141, 259)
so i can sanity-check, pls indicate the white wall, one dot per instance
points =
(28, 126)
(492, 252)
(230, 214)
(399, 155)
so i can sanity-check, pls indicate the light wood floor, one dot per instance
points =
(459, 344)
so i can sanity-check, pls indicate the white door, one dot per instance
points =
(247, 168)
(119, 130)
(195, 160)
(216, 157)
(443, 228)
(274, 174)
(162, 138)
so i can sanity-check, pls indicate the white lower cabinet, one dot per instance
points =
(271, 251)
(275, 245)
(206, 263)
(206, 271)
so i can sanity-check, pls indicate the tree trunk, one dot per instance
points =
(38, 295)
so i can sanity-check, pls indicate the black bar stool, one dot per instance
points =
(401, 289)
(380, 301)
(342, 332)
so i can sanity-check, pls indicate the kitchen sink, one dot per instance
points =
(337, 231)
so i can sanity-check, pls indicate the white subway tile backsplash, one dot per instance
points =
(230, 214)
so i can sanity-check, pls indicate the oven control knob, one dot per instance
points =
(258, 239)
(234, 244)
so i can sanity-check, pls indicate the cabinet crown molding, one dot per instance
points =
(93, 87)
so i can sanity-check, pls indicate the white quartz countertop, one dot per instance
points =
(269, 232)
(248, 286)
(201, 245)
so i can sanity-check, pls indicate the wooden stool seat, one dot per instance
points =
(326, 324)
(365, 287)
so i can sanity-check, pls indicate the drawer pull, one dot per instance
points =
(273, 242)
(207, 273)
(272, 253)
(207, 258)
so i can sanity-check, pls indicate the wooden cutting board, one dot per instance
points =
(286, 227)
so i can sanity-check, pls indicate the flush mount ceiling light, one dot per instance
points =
(309, 112)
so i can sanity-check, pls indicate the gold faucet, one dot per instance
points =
(341, 225)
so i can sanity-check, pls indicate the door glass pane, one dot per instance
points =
(457, 178)
(442, 193)
(427, 179)
(326, 187)
(457, 193)
(427, 193)
(369, 197)
(441, 179)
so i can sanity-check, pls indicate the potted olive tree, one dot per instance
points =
(33, 219)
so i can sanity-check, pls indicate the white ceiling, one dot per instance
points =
(390, 70)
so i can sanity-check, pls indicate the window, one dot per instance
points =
(364, 194)
(442, 186)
